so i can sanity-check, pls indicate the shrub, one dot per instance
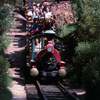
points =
(91, 79)
(81, 56)
(89, 18)
(5, 80)
(5, 94)
(85, 69)
(86, 62)
(65, 29)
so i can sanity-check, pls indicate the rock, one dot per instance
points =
(63, 12)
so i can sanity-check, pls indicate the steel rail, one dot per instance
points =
(66, 92)
(41, 91)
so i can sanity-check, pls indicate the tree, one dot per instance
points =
(89, 18)
(5, 80)
(86, 61)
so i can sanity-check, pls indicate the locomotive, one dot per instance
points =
(45, 58)
(45, 53)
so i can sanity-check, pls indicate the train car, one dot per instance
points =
(44, 49)
(45, 55)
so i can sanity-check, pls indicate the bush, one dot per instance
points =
(5, 80)
(91, 73)
(85, 69)
(5, 94)
(88, 21)
(80, 60)
(4, 74)
(65, 29)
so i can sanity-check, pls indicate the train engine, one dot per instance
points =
(45, 55)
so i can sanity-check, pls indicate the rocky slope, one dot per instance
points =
(63, 13)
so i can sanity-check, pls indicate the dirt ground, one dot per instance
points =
(16, 55)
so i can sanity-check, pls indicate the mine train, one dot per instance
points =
(44, 51)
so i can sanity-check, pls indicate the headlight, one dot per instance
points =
(50, 49)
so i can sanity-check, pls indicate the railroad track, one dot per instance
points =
(49, 92)
(66, 92)
(43, 96)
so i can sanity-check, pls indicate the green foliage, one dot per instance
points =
(91, 79)
(15, 2)
(79, 61)
(4, 18)
(8, 1)
(5, 94)
(65, 29)
(5, 42)
(86, 50)
(85, 69)
(5, 80)
(89, 18)
(3, 64)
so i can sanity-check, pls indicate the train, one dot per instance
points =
(44, 48)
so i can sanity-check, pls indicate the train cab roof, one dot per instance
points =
(50, 34)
